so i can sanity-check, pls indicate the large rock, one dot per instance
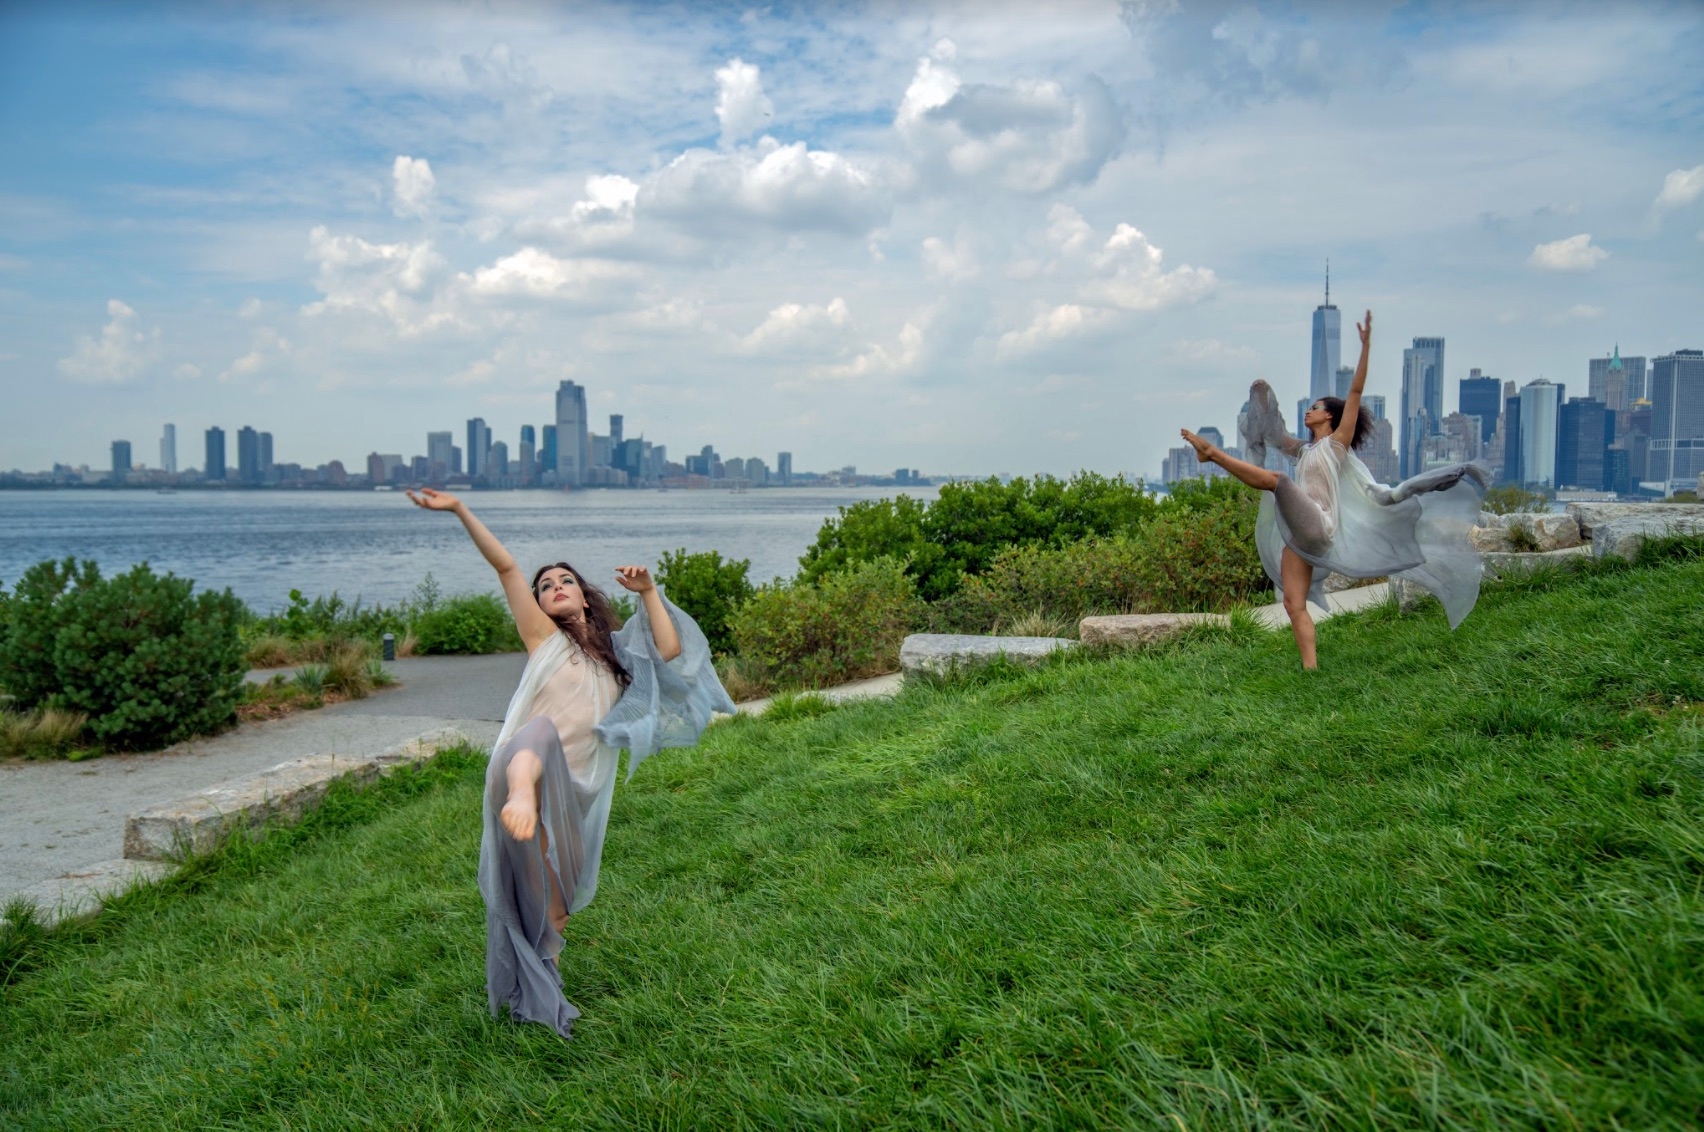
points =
(943, 652)
(1622, 537)
(1590, 516)
(1133, 630)
(1510, 565)
(1490, 539)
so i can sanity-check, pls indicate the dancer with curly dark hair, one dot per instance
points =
(1331, 515)
(589, 690)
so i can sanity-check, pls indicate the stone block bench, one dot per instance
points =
(941, 653)
(198, 823)
(1133, 630)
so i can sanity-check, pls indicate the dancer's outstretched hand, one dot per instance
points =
(1366, 329)
(635, 578)
(434, 500)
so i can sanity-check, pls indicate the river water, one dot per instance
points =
(378, 547)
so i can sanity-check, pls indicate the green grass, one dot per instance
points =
(1451, 880)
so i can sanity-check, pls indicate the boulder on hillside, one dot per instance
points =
(1537, 533)
(1509, 565)
(1622, 537)
(1590, 516)
(943, 652)
(1133, 630)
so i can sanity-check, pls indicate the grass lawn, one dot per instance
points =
(1451, 880)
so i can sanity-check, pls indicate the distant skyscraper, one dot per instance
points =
(615, 430)
(547, 451)
(1541, 401)
(440, 454)
(120, 459)
(1327, 326)
(1677, 419)
(478, 446)
(248, 455)
(1422, 399)
(266, 464)
(214, 466)
(528, 470)
(1482, 397)
(1615, 380)
(168, 449)
(1513, 465)
(784, 467)
(499, 461)
(1582, 441)
(573, 436)
(1345, 378)
(1373, 403)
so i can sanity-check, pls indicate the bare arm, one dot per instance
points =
(1345, 431)
(637, 579)
(534, 625)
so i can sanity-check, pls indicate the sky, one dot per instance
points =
(968, 237)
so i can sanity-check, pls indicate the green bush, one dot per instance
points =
(467, 624)
(709, 587)
(1196, 554)
(1512, 499)
(961, 533)
(35, 611)
(149, 661)
(848, 625)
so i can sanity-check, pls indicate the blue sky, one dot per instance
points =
(960, 237)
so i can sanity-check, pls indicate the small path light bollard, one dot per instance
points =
(390, 646)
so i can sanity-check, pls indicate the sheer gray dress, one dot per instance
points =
(1334, 515)
(668, 704)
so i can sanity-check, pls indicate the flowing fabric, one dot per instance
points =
(668, 704)
(1335, 516)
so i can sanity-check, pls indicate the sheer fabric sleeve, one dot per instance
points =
(669, 703)
(1263, 427)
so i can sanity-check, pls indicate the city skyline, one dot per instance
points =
(947, 236)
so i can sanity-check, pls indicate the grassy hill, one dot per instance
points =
(1450, 880)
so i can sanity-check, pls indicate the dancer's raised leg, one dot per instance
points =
(1252, 474)
(1297, 573)
(520, 816)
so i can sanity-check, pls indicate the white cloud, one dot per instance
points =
(267, 346)
(413, 187)
(790, 187)
(1576, 253)
(393, 282)
(1211, 351)
(877, 360)
(1133, 276)
(1056, 324)
(954, 262)
(1680, 188)
(1579, 312)
(120, 353)
(797, 326)
(532, 273)
(741, 106)
(1027, 136)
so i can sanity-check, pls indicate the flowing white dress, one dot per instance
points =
(570, 709)
(1334, 515)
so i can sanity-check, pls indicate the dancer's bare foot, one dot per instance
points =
(520, 812)
(1203, 448)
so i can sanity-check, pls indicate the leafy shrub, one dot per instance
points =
(1512, 499)
(310, 680)
(346, 673)
(149, 661)
(467, 624)
(961, 533)
(708, 587)
(35, 612)
(848, 625)
(1197, 554)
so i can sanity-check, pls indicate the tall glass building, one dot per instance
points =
(1676, 456)
(1327, 347)
(1541, 402)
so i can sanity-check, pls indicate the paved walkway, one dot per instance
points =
(58, 817)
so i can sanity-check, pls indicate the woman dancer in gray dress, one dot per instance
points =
(1331, 515)
(588, 690)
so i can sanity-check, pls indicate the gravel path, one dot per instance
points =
(57, 817)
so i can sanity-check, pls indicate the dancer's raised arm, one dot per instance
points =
(1344, 434)
(534, 625)
(637, 579)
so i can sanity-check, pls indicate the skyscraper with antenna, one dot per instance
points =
(1327, 346)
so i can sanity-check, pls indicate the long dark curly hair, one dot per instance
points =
(594, 633)
(1334, 406)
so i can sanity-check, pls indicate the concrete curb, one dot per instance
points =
(83, 891)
